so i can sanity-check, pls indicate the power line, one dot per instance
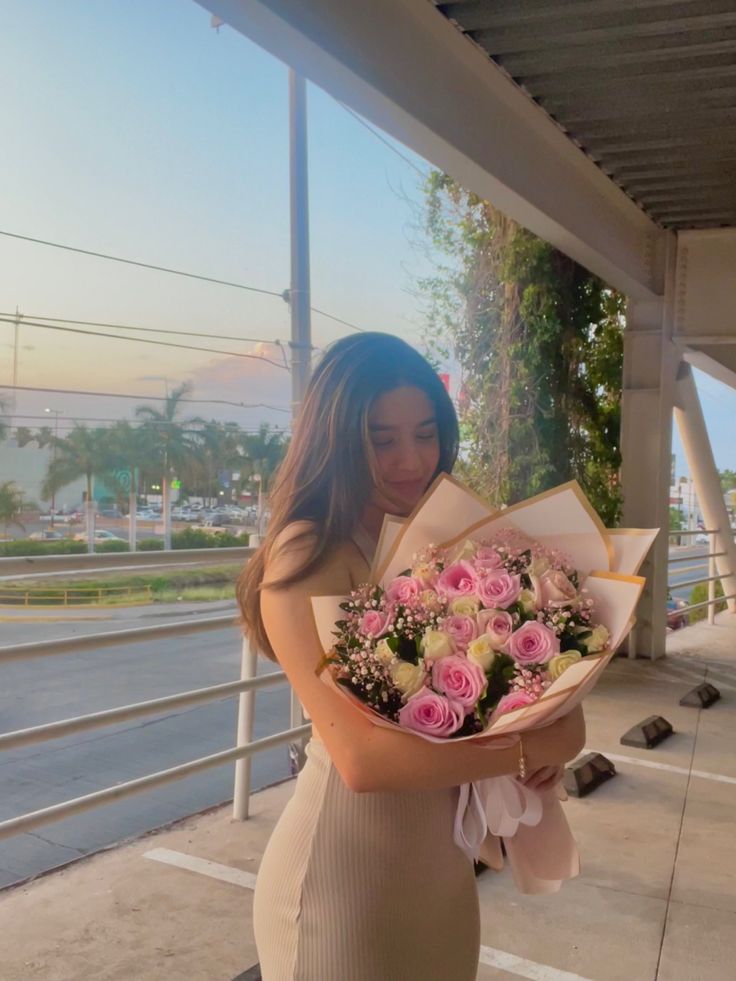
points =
(383, 139)
(147, 398)
(143, 265)
(143, 340)
(284, 295)
(147, 330)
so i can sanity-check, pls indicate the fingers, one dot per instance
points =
(544, 778)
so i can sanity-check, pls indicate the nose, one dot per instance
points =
(408, 461)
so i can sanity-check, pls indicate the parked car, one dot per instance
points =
(702, 539)
(101, 535)
(675, 619)
(45, 535)
(111, 512)
(219, 520)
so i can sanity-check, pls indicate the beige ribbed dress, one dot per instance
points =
(365, 887)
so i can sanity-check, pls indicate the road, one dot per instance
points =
(53, 688)
(697, 569)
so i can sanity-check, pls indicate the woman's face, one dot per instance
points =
(405, 441)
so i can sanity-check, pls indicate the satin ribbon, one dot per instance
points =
(498, 805)
(539, 844)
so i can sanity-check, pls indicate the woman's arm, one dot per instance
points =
(369, 757)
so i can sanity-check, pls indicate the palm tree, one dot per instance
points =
(175, 443)
(222, 449)
(264, 451)
(11, 504)
(82, 453)
(130, 449)
(44, 436)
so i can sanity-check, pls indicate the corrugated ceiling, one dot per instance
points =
(647, 88)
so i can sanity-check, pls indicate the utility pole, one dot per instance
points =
(16, 325)
(299, 298)
(299, 291)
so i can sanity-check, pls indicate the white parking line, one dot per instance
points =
(653, 765)
(246, 880)
(203, 866)
(523, 968)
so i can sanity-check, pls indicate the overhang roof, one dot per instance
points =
(647, 88)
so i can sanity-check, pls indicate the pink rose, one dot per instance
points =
(532, 643)
(497, 624)
(514, 700)
(404, 589)
(373, 623)
(554, 589)
(457, 580)
(459, 679)
(461, 629)
(487, 558)
(498, 589)
(432, 714)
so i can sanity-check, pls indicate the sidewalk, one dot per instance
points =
(656, 898)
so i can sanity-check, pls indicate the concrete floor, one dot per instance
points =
(656, 898)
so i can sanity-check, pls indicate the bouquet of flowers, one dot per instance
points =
(481, 622)
(465, 634)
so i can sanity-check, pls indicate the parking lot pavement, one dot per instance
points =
(656, 899)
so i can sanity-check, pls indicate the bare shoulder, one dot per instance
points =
(293, 548)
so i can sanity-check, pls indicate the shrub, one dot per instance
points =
(111, 546)
(150, 545)
(24, 546)
(699, 594)
(198, 538)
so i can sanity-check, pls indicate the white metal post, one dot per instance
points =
(246, 717)
(650, 366)
(711, 580)
(699, 454)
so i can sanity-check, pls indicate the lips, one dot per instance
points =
(408, 487)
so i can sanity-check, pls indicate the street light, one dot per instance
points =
(56, 413)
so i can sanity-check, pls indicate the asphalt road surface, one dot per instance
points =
(53, 688)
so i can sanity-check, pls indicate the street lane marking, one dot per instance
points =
(652, 765)
(246, 880)
(524, 968)
(215, 870)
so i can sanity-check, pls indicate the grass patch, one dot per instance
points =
(699, 594)
(210, 583)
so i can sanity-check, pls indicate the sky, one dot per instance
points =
(135, 129)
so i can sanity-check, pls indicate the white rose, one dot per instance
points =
(597, 640)
(408, 678)
(466, 606)
(384, 653)
(481, 651)
(436, 644)
(528, 601)
(561, 662)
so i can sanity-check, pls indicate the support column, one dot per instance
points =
(650, 367)
(699, 454)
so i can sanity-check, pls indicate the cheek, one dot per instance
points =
(431, 456)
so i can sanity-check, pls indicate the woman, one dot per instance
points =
(361, 879)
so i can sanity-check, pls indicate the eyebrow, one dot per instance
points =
(420, 425)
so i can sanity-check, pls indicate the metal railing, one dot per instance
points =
(710, 579)
(73, 595)
(241, 754)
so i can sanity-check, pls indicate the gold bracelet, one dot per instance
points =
(522, 760)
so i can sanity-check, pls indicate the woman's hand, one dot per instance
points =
(545, 778)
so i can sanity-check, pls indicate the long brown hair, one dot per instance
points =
(328, 474)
